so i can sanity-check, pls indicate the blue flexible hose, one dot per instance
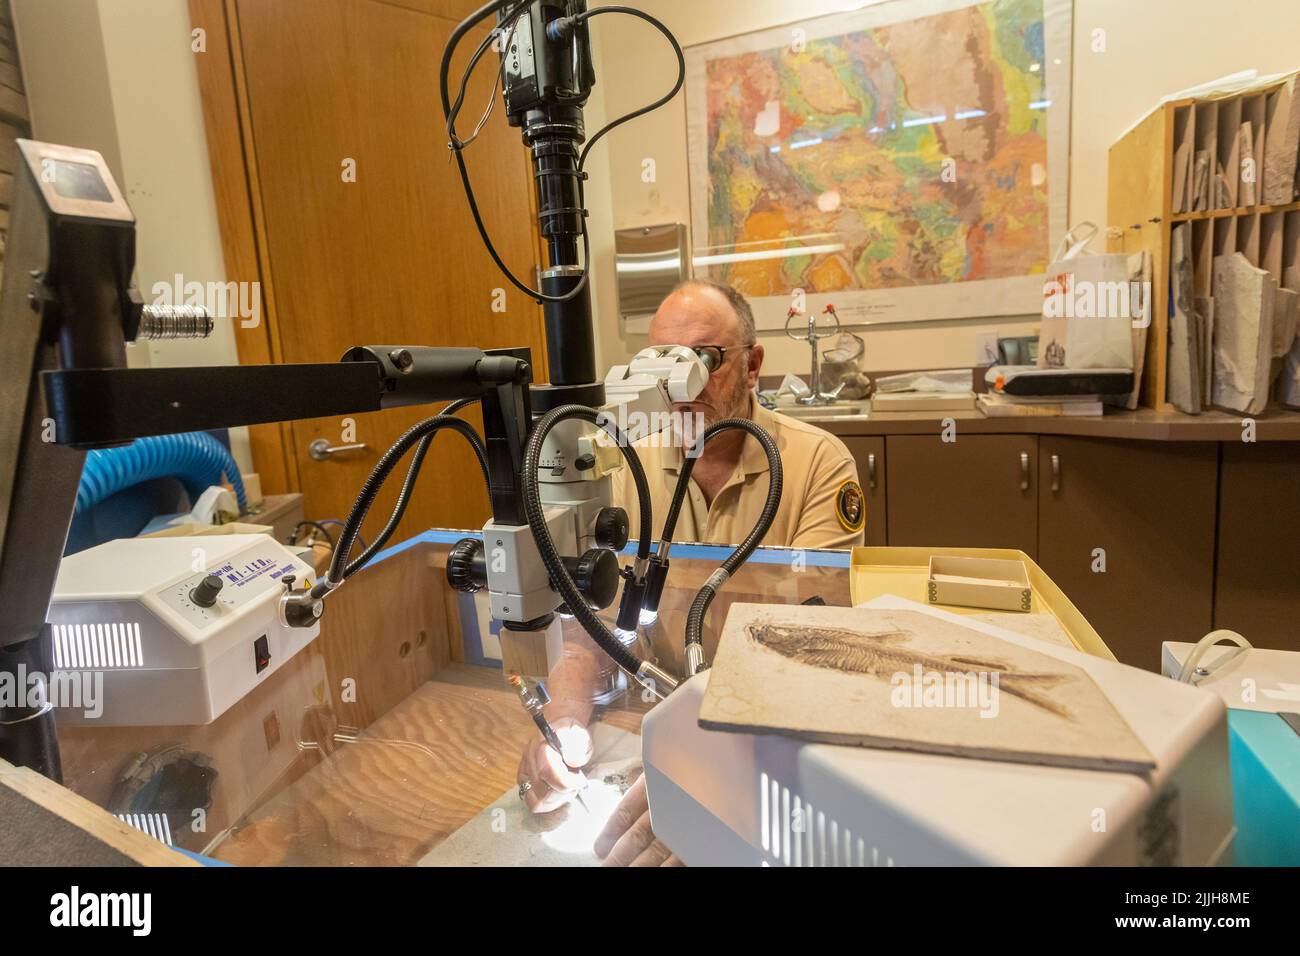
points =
(196, 459)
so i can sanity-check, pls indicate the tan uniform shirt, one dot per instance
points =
(821, 501)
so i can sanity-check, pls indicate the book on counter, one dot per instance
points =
(994, 405)
(923, 401)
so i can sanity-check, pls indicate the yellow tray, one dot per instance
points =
(904, 571)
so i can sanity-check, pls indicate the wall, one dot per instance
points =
(1149, 48)
(119, 76)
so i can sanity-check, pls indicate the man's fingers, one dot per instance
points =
(656, 854)
(533, 797)
(628, 811)
(631, 844)
(546, 791)
(552, 771)
(672, 860)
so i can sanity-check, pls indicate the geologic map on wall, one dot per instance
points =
(907, 161)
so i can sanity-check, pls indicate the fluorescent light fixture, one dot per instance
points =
(969, 114)
(815, 141)
(1040, 104)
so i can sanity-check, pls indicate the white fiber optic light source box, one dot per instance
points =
(172, 649)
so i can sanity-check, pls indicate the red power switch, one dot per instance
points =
(262, 653)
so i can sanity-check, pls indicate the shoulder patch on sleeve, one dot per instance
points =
(851, 506)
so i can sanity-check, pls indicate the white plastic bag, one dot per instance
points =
(1088, 307)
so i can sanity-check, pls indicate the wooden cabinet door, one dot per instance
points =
(869, 453)
(1145, 512)
(367, 238)
(979, 491)
(1257, 584)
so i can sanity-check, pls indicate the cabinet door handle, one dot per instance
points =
(322, 450)
(1056, 473)
(871, 470)
(1024, 471)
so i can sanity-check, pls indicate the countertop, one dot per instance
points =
(1147, 424)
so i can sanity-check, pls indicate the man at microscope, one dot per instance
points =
(822, 506)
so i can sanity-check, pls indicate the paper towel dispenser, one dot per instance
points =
(650, 261)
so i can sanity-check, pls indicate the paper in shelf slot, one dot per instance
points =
(1184, 377)
(1204, 160)
(1204, 309)
(1228, 175)
(1201, 181)
(1184, 158)
(1254, 111)
(1139, 273)
(1246, 193)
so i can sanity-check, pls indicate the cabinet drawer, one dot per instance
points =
(979, 491)
(1145, 511)
(1257, 585)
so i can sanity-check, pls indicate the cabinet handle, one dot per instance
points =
(871, 470)
(321, 450)
(1056, 473)
(1024, 471)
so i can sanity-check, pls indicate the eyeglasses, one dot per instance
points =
(714, 355)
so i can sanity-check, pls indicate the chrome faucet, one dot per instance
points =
(812, 337)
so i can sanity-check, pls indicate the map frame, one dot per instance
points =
(969, 299)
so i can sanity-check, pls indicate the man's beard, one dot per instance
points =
(736, 405)
(690, 421)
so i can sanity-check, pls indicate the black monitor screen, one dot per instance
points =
(78, 181)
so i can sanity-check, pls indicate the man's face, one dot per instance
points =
(698, 315)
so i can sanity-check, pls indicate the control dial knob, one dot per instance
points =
(611, 528)
(596, 575)
(467, 566)
(205, 594)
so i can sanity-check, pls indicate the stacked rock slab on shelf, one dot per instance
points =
(1281, 145)
(1244, 305)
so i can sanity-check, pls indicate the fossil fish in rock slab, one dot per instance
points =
(885, 654)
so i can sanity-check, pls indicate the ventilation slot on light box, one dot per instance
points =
(154, 824)
(85, 646)
(819, 841)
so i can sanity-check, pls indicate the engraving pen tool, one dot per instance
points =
(533, 702)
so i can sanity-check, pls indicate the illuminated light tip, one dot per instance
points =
(576, 745)
(648, 617)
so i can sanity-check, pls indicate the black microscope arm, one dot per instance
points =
(102, 407)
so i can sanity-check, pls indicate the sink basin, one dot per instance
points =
(832, 412)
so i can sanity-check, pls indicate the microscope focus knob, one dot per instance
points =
(611, 528)
(205, 594)
(596, 574)
(467, 566)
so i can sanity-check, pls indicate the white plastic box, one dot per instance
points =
(745, 799)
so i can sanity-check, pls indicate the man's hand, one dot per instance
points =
(627, 839)
(546, 782)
